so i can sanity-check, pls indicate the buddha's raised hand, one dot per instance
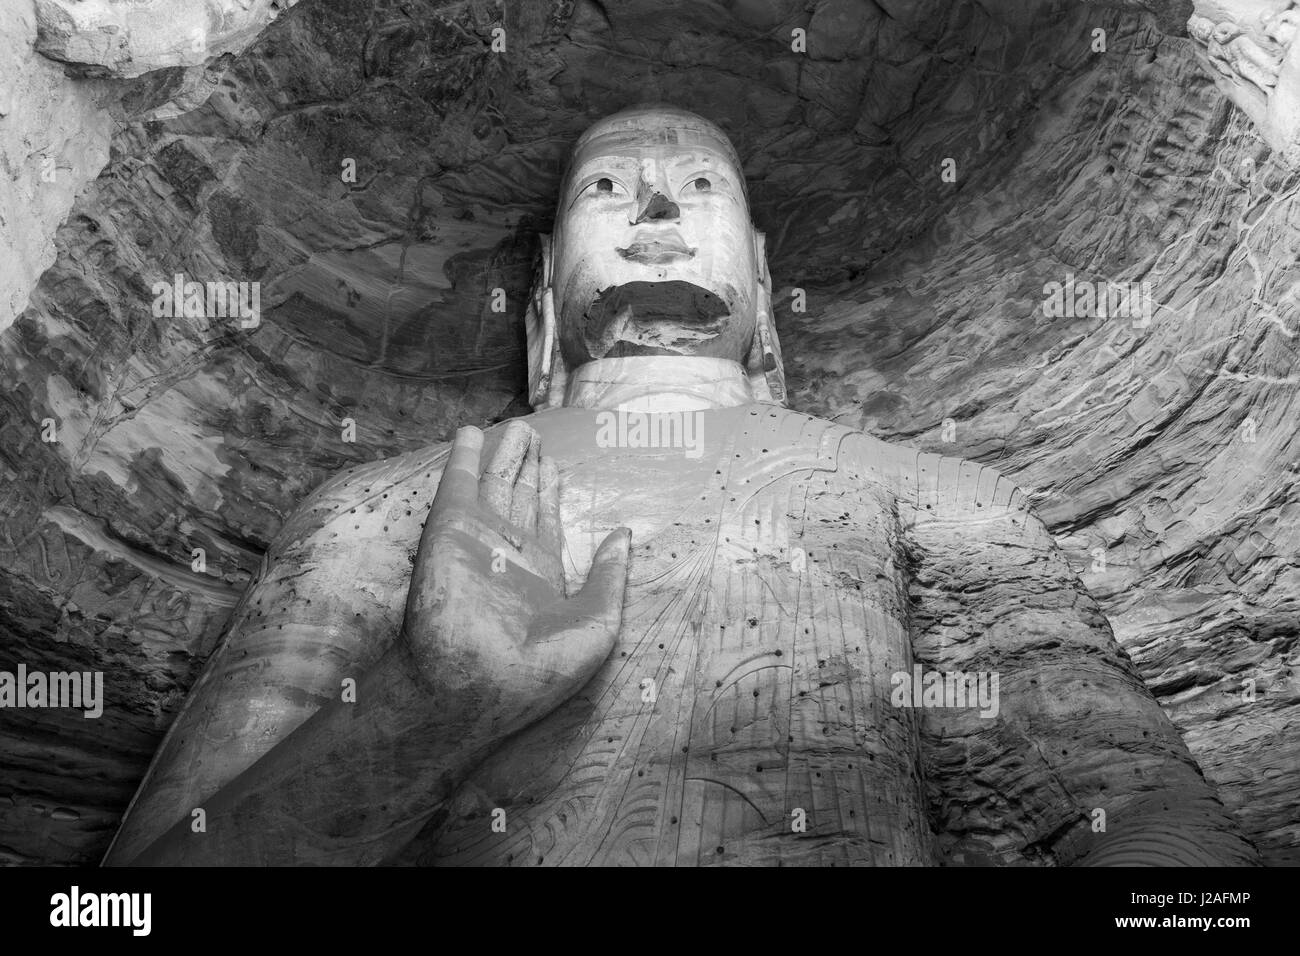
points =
(486, 617)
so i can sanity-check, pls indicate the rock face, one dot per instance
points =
(928, 175)
(1251, 48)
(125, 38)
(54, 138)
(56, 130)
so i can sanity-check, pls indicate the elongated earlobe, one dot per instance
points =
(546, 370)
(766, 372)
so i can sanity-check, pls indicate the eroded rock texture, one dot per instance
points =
(1162, 457)
(1251, 48)
(130, 37)
(54, 138)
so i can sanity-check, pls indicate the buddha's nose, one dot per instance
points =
(660, 207)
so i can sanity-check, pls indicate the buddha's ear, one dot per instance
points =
(766, 373)
(546, 371)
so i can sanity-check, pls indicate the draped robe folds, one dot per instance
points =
(744, 715)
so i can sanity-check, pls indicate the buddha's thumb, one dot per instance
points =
(574, 636)
(602, 594)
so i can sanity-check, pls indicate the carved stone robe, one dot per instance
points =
(745, 715)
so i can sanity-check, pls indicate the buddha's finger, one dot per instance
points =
(458, 488)
(550, 531)
(571, 638)
(496, 490)
(523, 509)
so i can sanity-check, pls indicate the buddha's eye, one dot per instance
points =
(605, 187)
(703, 185)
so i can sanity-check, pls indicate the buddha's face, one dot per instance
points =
(654, 248)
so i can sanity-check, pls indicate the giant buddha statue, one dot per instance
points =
(665, 619)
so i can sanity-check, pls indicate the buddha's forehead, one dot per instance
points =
(667, 136)
(655, 139)
(633, 153)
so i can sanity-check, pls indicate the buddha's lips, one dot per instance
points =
(656, 250)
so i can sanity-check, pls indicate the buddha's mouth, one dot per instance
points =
(654, 250)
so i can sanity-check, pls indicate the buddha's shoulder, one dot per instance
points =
(388, 487)
(928, 483)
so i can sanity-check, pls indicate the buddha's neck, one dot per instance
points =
(658, 383)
